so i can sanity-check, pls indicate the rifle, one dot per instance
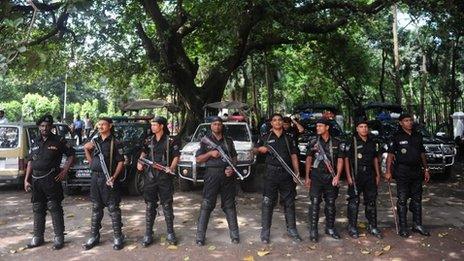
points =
(393, 208)
(355, 170)
(224, 156)
(156, 166)
(102, 161)
(325, 159)
(284, 164)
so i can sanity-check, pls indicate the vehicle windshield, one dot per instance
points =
(310, 130)
(130, 132)
(238, 132)
(9, 137)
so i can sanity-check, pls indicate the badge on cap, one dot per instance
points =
(360, 156)
(403, 151)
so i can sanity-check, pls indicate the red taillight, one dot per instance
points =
(21, 164)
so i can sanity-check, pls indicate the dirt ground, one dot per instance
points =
(443, 211)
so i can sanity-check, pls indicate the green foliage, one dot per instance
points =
(35, 105)
(12, 110)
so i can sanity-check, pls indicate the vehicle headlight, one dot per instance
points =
(187, 157)
(448, 150)
(245, 156)
(302, 148)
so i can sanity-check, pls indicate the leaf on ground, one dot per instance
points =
(329, 257)
(263, 253)
(212, 248)
(249, 258)
(442, 234)
(362, 235)
(365, 251)
(312, 247)
(378, 253)
(172, 247)
(131, 247)
(12, 251)
(386, 248)
(186, 258)
(362, 225)
(70, 215)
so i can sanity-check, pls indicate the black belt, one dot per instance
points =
(39, 174)
(275, 166)
(409, 167)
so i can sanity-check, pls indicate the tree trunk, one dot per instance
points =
(396, 57)
(423, 86)
(270, 87)
(382, 76)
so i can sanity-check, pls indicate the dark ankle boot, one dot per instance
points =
(97, 215)
(39, 210)
(169, 218)
(56, 212)
(203, 219)
(290, 219)
(150, 215)
(267, 209)
(352, 213)
(313, 216)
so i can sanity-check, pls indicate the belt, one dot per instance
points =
(411, 167)
(274, 166)
(40, 174)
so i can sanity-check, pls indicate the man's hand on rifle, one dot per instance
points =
(229, 171)
(336, 181)
(214, 154)
(140, 166)
(110, 181)
(263, 150)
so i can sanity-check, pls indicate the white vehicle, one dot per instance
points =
(190, 171)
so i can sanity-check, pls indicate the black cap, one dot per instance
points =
(361, 120)
(287, 120)
(323, 121)
(216, 118)
(46, 118)
(404, 116)
(107, 119)
(160, 120)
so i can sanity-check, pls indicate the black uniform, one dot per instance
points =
(409, 176)
(216, 182)
(45, 157)
(103, 195)
(158, 185)
(278, 180)
(321, 184)
(362, 154)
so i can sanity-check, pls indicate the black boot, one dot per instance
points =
(97, 215)
(267, 208)
(290, 220)
(417, 227)
(203, 220)
(313, 216)
(231, 216)
(371, 215)
(39, 210)
(352, 213)
(150, 215)
(169, 218)
(402, 210)
(115, 213)
(56, 211)
(330, 218)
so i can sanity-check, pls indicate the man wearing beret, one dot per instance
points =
(159, 148)
(44, 176)
(324, 165)
(406, 160)
(105, 192)
(277, 179)
(363, 175)
(219, 179)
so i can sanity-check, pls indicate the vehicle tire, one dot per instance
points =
(184, 185)
(254, 183)
(135, 185)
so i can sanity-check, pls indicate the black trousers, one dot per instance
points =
(158, 188)
(102, 194)
(409, 187)
(321, 187)
(365, 184)
(46, 189)
(216, 183)
(278, 181)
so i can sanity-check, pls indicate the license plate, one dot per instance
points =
(83, 173)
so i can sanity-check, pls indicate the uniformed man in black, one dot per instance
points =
(321, 180)
(219, 179)
(363, 175)
(43, 167)
(293, 131)
(103, 192)
(277, 179)
(406, 160)
(159, 148)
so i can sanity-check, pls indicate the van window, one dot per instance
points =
(9, 137)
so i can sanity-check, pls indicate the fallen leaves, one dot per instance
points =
(312, 247)
(441, 235)
(172, 247)
(249, 258)
(386, 248)
(263, 252)
(70, 215)
(131, 247)
(211, 248)
(365, 251)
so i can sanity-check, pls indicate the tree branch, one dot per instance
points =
(147, 43)
(40, 6)
(59, 28)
